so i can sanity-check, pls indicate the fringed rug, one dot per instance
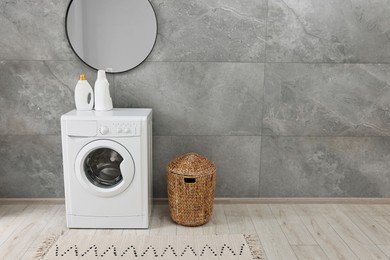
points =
(152, 247)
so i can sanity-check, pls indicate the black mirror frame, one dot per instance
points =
(117, 72)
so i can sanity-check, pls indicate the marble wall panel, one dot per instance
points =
(321, 128)
(192, 98)
(31, 166)
(210, 30)
(325, 167)
(328, 31)
(327, 100)
(33, 30)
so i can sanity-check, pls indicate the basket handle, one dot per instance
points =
(189, 180)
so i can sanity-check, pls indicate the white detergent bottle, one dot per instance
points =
(103, 99)
(83, 94)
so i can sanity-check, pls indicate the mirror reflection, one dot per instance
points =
(113, 35)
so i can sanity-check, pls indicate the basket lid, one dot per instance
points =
(191, 164)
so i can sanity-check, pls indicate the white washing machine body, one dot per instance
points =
(107, 168)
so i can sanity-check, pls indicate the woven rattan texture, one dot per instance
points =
(191, 193)
(192, 164)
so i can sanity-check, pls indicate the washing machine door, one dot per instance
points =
(104, 168)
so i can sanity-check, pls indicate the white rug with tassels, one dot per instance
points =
(152, 247)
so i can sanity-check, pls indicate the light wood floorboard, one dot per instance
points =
(375, 227)
(218, 222)
(309, 252)
(10, 218)
(273, 239)
(356, 240)
(292, 225)
(324, 234)
(286, 231)
(34, 221)
(238, 219)
(385, 249)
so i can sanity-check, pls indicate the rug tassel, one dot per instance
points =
(45, 246)
(254, 246)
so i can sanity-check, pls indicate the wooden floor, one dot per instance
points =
(286, 231)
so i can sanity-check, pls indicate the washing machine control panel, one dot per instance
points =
(119, 128)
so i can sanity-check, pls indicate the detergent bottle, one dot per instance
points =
(83, 94)
(103, 99)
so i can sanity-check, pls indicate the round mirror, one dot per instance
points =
(112, 35)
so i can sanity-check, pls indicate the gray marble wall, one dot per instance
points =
(290, 98)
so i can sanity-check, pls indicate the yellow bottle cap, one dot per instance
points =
(82, 77)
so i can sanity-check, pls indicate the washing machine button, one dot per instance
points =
(126, 130)
(104, 130)
(119, 130)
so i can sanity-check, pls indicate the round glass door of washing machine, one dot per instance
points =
(104, 168)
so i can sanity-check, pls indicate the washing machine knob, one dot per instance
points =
(104, 130)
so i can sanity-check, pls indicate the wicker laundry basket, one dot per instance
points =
(191, 186)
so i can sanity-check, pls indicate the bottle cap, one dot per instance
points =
(82, 77)
(101, 74)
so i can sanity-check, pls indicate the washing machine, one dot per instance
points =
(107, 158)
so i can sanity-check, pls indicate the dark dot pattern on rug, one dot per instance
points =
(225, 249)
(67, 250)
(127, 249)
(207, 246)
(169, 247)
(89, 249)
(185, 250)
(228, 247)
(108, 249)
(147, 250)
